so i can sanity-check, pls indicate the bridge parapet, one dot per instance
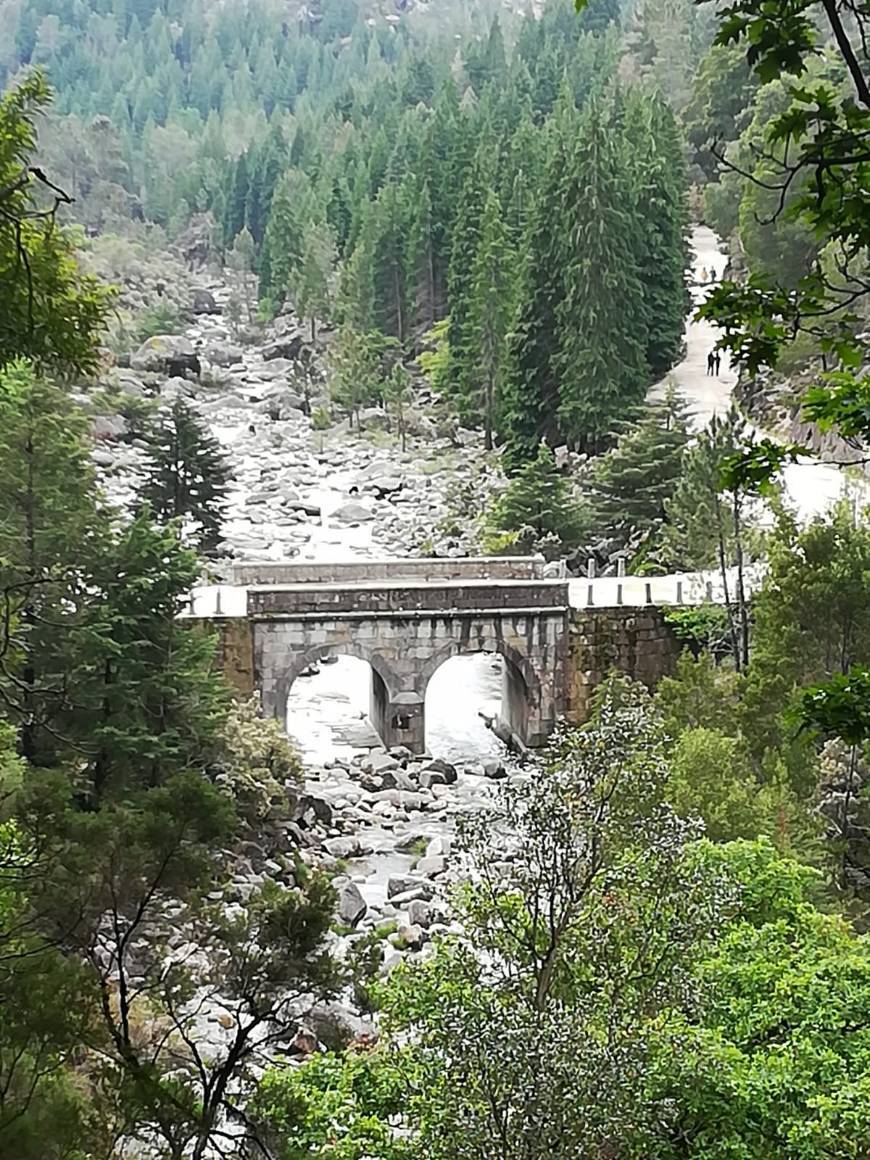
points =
(270, 573)
(477, 597)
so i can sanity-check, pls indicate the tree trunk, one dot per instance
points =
(487, 413)
(741, 591)
(28, 616)
(723, 571)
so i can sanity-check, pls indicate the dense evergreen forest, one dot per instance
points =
(437, 183)
(648, 942)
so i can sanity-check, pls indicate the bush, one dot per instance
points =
(321, 420)
(257, 761)
(159, 319)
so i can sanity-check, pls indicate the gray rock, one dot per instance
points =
(288, 347)
(494, 770)
(204, 302)
(398, 779)
(443, 767)
(398, 884)
(420, 913)
(336, 1027)
(170, 354)
(109, 427)
(408, 842)
(352, 513)
(430, 777)
(311, 809)
(412, 936)
(431, 866)
(222, 354)
(348, 847)
(374, 419)
(379, 762)
(351, 904)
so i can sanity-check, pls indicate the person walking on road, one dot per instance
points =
(711, 362)
(718, 361)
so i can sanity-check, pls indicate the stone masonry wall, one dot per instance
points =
(235, 654)
(436, 600)
(637, 642)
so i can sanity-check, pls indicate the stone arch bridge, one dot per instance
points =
(558, 637)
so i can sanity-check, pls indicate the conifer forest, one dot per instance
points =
(434, 580)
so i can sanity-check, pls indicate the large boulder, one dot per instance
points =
(204, 302)
(374, 419)
(352, 513)
(288, 347)
(337, 1028)
(351, 904)
(168, 354)
(223, 354)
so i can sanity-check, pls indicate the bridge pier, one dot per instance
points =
(397, 718)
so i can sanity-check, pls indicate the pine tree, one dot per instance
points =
(464, 244)
(356, 370)
(493, 278)
(532, 381)
(50, 523)
(241, 260)
(601, 320)
(655, 157)
(537, 509)
(186, 476)
(148, 703)
(698, 532)
(290, 211)
(631, 485)
(311, 282)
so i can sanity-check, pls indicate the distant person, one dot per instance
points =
(703, 273)
(718, 361)
(711, 362)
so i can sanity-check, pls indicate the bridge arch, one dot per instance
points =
(521, 688)
(384, 684)
(303, 658)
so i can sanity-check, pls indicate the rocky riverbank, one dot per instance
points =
(299, 491)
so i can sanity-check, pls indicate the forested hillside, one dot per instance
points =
(390, 171)
(431, 281)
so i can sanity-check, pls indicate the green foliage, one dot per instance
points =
(712, 779)
(334, 1108)
(584, 929)
(703, 628)
(538, 507)
(839, 707)
(148, 704)
(812, 620)
(812, 178)
(358, 370)
(52, 312)
(321, 420)
(258, 762)
(697, 533)
(160, 319)
(186, 476)
(631, 485)
(778, 1060)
